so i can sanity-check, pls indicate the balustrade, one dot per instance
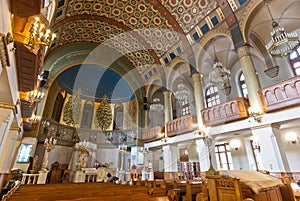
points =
(29, 178)
(181, 125)
(232, 110)
(154, 133)
(281, 95)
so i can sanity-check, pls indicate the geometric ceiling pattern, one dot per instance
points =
(149, 26)
(188, 12)
(112, 36)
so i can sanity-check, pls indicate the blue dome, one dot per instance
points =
(95, 82)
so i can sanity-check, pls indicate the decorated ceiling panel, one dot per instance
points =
(188, 12)
(149, 31)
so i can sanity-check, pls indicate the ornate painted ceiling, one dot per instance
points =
(141, 30)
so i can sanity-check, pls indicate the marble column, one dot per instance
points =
(203, 155)
(251, 78)
(272, 150)
(199, 100)
(168, 106)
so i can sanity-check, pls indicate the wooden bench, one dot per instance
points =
(192, 189)
(75, 191)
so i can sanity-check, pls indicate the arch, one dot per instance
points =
(58, 105)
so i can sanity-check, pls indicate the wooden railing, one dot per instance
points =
(281, 95)
(29, 178)
(152, 134)
(232, 110)
(181, 125)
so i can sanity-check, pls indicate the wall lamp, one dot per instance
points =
(291, 138)
(236, 144)
(255, 113)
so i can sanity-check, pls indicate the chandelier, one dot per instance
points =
(281, 42)
(182, 92)
(156, 106)
(39, 35)
(220, 75)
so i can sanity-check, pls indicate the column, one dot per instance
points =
(167, 106)
(199, 100)
(251, 78)
(203, 155)
(272, 150)
(170, 154)
(9, 150)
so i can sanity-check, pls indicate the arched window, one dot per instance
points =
(295, 60)
(87, 115)
(212, 96)
(118, 116)
(57, 109)
(243, 86)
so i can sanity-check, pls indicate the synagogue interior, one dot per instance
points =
(186, 93)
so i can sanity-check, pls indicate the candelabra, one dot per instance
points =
(49, 144)
(209, 142)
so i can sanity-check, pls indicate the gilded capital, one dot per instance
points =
(196, 77)
(243, 51)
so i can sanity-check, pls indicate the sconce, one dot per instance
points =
(36, 96)
(39, 35)
(291, 138)
(256, 114)
(198, 131)
(236, 144)
(255, 143)
(34, 118)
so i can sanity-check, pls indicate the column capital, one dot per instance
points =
(167, 93)
(243, 51)
(196, 77)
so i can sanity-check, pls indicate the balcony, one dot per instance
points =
(152, 134)
(181, 125)
(281, 95)
(230, 111)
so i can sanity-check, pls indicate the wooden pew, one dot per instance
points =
(74, 191)
(192, 188)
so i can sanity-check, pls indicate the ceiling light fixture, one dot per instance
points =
(219, 75)
(182, 93)
(281, 42)
(156, 106)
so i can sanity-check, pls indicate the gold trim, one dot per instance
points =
(7, 105)
(14, 128)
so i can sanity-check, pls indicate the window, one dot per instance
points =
(118, 116)
(212, 96)
(87, 115)
(243, 86)
(186, 108)
(24, 153)
(295, 60)
(223, 157)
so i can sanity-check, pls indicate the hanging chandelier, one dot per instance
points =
(156, 106)
(182, 93)
(220, 75)
(281, 42)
